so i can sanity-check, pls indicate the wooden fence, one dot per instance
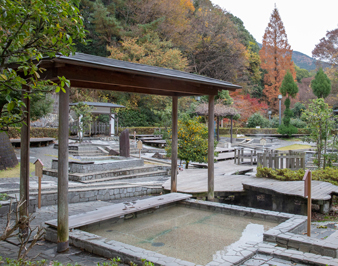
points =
(281, 159)
(96, 128)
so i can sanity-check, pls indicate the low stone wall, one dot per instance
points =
(92, 194)
(4, 209)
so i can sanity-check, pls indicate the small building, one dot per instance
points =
(104, 109)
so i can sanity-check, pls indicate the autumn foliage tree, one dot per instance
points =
(276, 58)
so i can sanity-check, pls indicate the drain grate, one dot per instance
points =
(157, 244)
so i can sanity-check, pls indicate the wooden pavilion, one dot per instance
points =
(94, 72)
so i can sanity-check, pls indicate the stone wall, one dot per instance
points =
(83, 195)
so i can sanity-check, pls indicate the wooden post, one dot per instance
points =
(211, 149)
(218, 128)
(39, 173)
(62, 218)
(24, 160)
(174, 144)
(307, 193)
(235, 151)
(139, 146)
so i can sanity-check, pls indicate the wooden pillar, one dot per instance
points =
(174, 144)
(231, 130)
(24, 157)
(217, 128)
(211, 149)
(62, 229)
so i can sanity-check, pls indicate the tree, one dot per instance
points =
(298, 109)
(30, 30)
(276, 58)
(289, 88)
(321, 84)
(301, 73)
(319, 121)
(149, 50)
(327, 48)
(192, 142)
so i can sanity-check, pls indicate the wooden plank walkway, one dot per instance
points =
(120, 209)
(37, 141)
(195, 181)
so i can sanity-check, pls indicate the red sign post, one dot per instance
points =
(307, 193)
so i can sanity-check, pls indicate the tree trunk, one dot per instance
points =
(186, 164)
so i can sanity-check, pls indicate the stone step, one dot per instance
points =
(114, 174)
(146, 174)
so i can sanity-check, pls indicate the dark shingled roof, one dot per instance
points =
(113, 64)
(111, 105)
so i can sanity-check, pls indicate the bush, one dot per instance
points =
(257, 120)
(329, 174)
(298, 123)
(274, 123)
(287, 130)
(36, 132)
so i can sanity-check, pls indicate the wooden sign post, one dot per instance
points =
(139, 146)
(38, 173)
(307, 193)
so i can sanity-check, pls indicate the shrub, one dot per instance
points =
(257, 120)
(35, 132)
(298, 123)
(329, 174)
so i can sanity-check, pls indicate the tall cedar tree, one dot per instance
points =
(276, 58)
(321, 84)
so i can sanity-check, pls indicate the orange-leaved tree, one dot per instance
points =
(276, 58)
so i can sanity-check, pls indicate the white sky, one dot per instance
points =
(305, 22)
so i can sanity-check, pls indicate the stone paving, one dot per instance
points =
(46, 249)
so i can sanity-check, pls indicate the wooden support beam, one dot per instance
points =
(24, 157)
(130, 89)
(174, 144)
(101, 76)
(62, 230)
(211, 149)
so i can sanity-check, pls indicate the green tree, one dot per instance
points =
(289, 88)
(298, 109)
(301, 73)
(192, 141)
(41, 105)
(29, 31)
(321, 84)
(319, 121)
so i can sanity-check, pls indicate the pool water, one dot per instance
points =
(185, 233)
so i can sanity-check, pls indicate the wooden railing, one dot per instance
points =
(96, 128)
(281, 159)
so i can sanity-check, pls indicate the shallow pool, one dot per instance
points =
(185, 233)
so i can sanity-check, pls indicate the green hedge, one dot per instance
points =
(36, 132)
(141, 130)
(244, 131)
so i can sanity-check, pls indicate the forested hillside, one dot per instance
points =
(192, 36)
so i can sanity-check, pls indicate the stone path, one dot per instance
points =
(47, 250)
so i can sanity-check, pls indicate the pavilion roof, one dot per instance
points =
(96, 72)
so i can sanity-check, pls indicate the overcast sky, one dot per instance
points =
(305, 22)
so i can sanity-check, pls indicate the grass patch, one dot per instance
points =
(15, 171)
(294, 147)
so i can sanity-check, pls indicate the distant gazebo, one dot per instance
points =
(104, 109)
